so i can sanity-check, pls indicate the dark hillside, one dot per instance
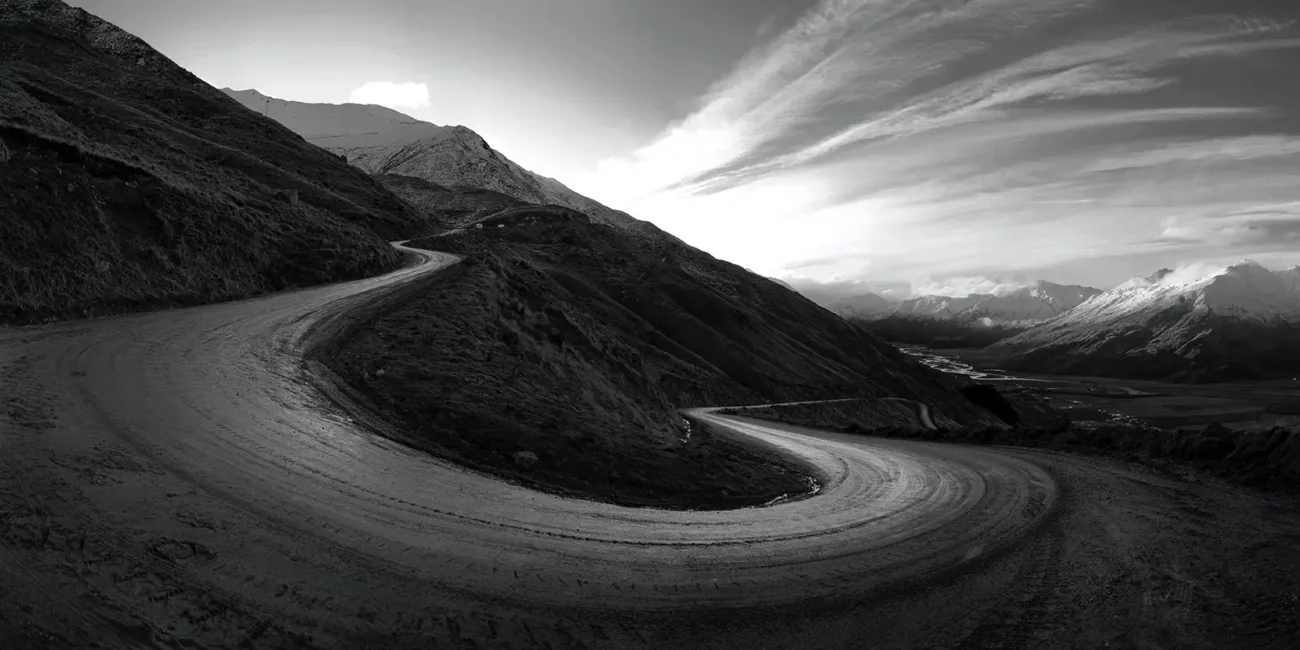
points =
(128, 183)
(577, 343)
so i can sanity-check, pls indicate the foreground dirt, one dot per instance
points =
(174, 479)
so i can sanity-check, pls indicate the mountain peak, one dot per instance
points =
(382, 141)
(1210, 319)
(1159, 275)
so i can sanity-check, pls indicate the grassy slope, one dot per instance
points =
(130, 184)
(578, 343)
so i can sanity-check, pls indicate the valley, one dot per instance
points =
(1236, 405)
(305, 375)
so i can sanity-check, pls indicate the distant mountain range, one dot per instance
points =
(1241, 322)
(1025, 306)
(961, 321)
(385, 142)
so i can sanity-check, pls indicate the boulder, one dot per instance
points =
(525, 459)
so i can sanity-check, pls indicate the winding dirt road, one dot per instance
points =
(176, 479)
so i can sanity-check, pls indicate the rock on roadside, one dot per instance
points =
(525, 459)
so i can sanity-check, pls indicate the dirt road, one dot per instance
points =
(176, 479)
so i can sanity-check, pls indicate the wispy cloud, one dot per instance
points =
(841, 52)
(1124, 65)
(919, 138)
(967, 285)
(1200, 151)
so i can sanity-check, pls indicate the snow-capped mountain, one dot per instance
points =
(1028, 305)
(1245, 290)
(944, 307)
(1018, 307)
(1290, 278)
(867, 306)
(1238, 321)
(384, 141)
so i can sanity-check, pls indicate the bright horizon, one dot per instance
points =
(843, 146)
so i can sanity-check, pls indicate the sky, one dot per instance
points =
(844, 146)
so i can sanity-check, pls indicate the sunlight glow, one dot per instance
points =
(393, 95)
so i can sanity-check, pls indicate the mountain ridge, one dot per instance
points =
(382, 141)
(1235, 323)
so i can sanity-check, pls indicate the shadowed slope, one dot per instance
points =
(130, 183)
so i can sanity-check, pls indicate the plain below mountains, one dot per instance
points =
(1238, 323)
(128, 183)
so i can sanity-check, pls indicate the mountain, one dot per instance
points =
(129, 183)
(974, 320)
(945, 307)
(1022, 306)
(1239, 322)
(578, 343)
(867, 306)
(382, 141)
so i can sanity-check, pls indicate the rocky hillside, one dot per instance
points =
(382, 141)
(1238, 322)
(129, 183)
(577, 343)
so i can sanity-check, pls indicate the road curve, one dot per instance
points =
(182, 468)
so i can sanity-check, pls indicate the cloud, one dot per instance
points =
(1250, 227)
(1202, 151)
(1118, 66)
(902, 139)
(1185, 274)
(1192, 272)
(1204, 230)
(871, 60)
(840, 53)
(393, 95)
(960, 287)
(827, 292)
